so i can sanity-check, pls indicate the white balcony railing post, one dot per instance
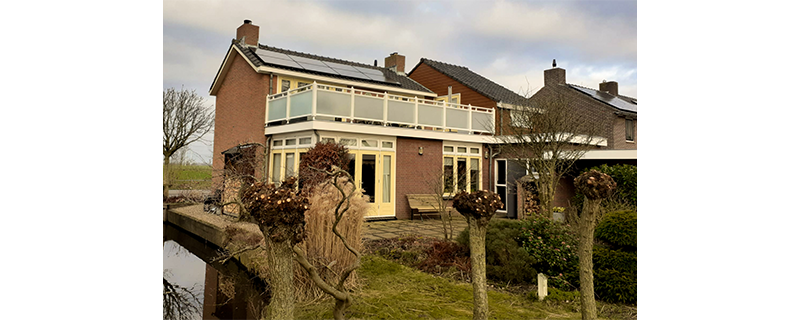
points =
(416, 112)
(444, 116)
(385, 107)
(470, 118)
(352, 103)
(288, 104)
(314, 101)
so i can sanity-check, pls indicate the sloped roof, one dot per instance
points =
(400, 81)
(622, 103)
(474, 81)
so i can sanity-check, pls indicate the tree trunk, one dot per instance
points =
(586, 223)
(477, 247)
(281, 276)
(340, 308)
(167, 178)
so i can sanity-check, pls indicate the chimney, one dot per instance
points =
(611, 87)
(397, 61)
(250, 33)
(555, 76)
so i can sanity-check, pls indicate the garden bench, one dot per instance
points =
(424, 203)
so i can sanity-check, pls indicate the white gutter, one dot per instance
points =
(380, 88)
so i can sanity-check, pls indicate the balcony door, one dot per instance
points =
(374, 173)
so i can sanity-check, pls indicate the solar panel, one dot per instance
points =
(339, 66)
(369, 72)
(608, 98)
(280, 62)
(332, 68)
(302, 60)
(353, 73)
(318, 68)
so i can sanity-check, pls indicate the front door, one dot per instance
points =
(374, 173)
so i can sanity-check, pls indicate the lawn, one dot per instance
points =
(393, 291)
(191, 177)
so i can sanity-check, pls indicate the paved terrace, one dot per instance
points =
(431, 226)
(210, 226)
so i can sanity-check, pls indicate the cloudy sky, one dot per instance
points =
(509, 42)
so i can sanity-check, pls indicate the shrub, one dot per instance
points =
(553, 247)
(615, 286)
(605, 258)
(618, 228)
(322, 156)
(321, 245)
(615, 257)
(506, 260)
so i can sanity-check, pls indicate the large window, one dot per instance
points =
(629, 130)
(462, 169)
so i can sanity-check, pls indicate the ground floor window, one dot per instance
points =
(462, 169)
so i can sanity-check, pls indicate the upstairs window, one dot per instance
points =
(285, 85)
(629, 130)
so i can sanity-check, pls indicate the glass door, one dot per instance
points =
(500, 184)
(374, 172)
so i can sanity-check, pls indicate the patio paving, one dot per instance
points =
(430, 227)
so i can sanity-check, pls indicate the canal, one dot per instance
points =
(197, 287)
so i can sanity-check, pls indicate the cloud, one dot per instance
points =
(511, 43)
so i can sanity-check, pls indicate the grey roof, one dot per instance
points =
(394, 80)
(619, 102)
(474, 81)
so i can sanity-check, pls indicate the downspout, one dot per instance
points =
(268, 141)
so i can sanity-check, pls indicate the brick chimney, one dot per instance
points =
(555, 76)
(397, 61)
(250, 33)
(610, 86)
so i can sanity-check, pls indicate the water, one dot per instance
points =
(201, 288)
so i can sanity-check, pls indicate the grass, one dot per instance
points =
(393, 291)
(191, 176)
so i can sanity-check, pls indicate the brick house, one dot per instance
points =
(616, 113)
(399, 132)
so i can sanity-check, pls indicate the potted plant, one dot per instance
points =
(558, 213)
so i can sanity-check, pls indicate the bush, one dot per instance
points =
(553, 247)
(322, 156)
(321, 245)
(506, 260)
(615, 257)
(605, 258)
(618, 228)
(615, 286)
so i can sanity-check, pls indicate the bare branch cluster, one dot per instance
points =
(547, 138)
(185, 121)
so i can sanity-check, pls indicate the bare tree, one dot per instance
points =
(478, 207)
(547, 138)
(180, 303)
(596, 186)
(434, 184)
(185, 121)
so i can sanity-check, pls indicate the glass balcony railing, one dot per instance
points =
(325, 102)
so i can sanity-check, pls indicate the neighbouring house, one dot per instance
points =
(459, 84)
(400, 134)
(616, 112)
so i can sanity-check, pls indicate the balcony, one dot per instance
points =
(316, 102)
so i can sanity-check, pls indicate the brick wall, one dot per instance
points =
(240, 111)
(413, 170)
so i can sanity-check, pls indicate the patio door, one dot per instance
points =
(374, 173)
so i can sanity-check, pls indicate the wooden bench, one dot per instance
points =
(424, 203)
